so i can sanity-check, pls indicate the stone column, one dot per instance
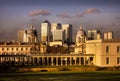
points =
(70, 60)
(38, 61)
(0, 60)
(56, 61)
(88, 60)
(84, 61)
(42, 60)
(66, 61)
(29, 60)
(4, 60)
(75, 60)
(52, 61)
(61, 61)
(23, 60)
(19, 60)
(79, 60)
(47, 61)
(32, 60)
(14, 60)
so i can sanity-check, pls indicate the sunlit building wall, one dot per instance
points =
(58, 35)
(20, 35)
(45, 31)
(93, 34)
(55, 26)
(107, 52)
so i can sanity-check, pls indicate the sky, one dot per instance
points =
(15, 15)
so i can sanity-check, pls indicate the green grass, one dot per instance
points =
(62, 76)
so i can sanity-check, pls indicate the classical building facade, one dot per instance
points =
(106, 52)
(13, 48)
(17, 54)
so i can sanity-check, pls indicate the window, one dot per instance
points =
(7, 49)
(12, 49)
(107, 49)
(21, 49)
(16, 49)
(35, 49)
(2, 49)
(118, 49)
(107, 60)
(31, 49)
(118, 60)
(26, 49)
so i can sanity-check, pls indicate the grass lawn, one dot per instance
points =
(62, 76)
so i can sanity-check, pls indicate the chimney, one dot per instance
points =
(98, 36)
(110, 35)
(105, 36)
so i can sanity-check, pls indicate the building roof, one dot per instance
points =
(111, 41)
(46, 21)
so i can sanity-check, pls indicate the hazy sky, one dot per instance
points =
(93, 14)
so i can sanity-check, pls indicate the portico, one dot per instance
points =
(47, 59)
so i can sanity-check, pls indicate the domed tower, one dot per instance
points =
(30, 35)
(80, 41)
(81, 36)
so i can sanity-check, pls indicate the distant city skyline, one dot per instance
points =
(93, 14)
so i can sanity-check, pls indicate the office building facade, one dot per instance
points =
(67, 28)
(45, 33)
(21, 35)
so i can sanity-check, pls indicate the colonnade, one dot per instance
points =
(52, 60)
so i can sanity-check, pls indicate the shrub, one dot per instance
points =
(43, 70)
(64, 69)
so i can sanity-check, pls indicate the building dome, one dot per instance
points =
(80, 37)
(30, 32)
(81, 32)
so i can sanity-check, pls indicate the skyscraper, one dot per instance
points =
(20, 35)
(55, 26)
(58, 35)
(45, 33)
(67, 28)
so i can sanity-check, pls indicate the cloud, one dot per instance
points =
(91, 10)
(64, 15)
(79, 15)
(41, 12)
(86, 12)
